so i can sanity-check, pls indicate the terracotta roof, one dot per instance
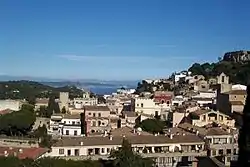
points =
(74, 116)
(130, 114)
(96, 108)
(127, 131)
(236, 103)
(202, 99)
(6, 111)
(209, 130)
(23, 153)
(237, 92)
(139, 139)
(201, 111)
(42, 101)
(164, 93)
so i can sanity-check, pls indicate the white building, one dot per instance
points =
(125, 91)
(147, 106)
(178, 100)
(177, 77)
(168, 151)
(14, 105)
(85, 100)
(65, 125)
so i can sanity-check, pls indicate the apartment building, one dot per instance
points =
(14, 105)
(227, 101)
(221, 140)
(97, 118)
(65, 125)
(170, 150)
(148, 107)
(86, 99)
(41, 102)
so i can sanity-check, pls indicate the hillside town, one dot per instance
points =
(184, 120)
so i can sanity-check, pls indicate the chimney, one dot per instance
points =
(81, 143)
(110, 137)
(171, 136)
(134, 131)
(6, 153)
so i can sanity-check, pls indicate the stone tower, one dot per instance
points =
(64, 100)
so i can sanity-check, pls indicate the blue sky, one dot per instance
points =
(117, 39)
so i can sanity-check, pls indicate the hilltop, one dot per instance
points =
(235, 64)
(30, 90)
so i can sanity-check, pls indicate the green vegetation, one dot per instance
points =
(53, 107)
(18, 123)
(152, 125)
(148, 87)
(30, 90)
(45, 139)
(238, 72)
(47, 162)
(125, 157)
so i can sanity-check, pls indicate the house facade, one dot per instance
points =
(203, 117)
(167, 151)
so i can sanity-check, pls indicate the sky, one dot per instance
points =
(117, 39)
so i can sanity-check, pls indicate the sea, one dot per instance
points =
(97, 88)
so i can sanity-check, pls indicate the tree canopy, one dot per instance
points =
(125, 157)
(152, 125)
(47, 162)
(31, 90)
(238, 72)
(18, 123)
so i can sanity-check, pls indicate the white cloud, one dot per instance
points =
(128, 59)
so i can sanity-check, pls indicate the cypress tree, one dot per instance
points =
(244, 135)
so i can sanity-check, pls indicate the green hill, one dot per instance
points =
(30, 90)
(239, 72)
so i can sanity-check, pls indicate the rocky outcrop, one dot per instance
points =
(237, 56)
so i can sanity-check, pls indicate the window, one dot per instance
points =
(221, 152)
(64, 122)
(141, 104)
(192, 147)
(75, 132)
(137, 105)
(67, 132)
(90, 113)
(73, 122)
(99, 114)
(69, 152)
(94, 123)
(93, 114)
(103, 150)
(204, 117)
(61, 151)
(223, 79)
(214, 152)
(99, 123)
(229, 151)
(77, 152)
